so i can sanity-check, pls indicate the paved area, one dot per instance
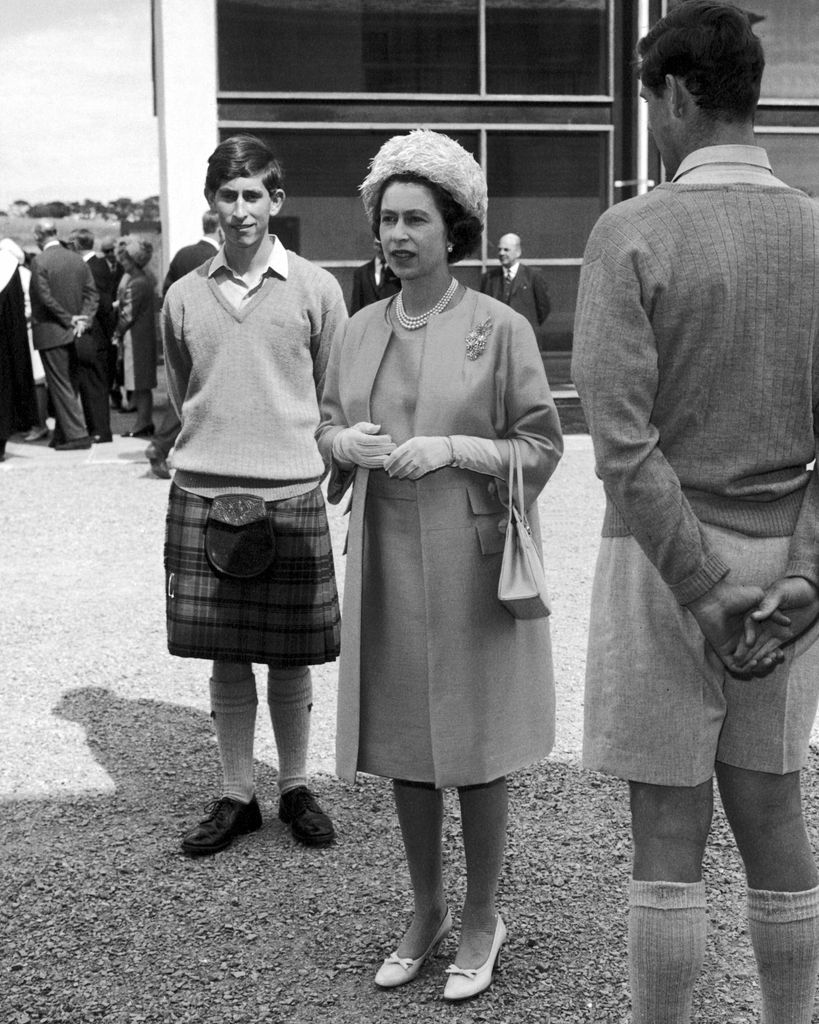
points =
(81, 581)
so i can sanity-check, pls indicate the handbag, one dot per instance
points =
(522, 584)
(239, 539)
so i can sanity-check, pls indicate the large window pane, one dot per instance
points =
(546, 46)
(414, 46)
(789, 30)
(547, 187)
(794, 159)
(323, 170)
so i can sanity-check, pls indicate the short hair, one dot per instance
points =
(83, 239)
(138, 249)
(210, 222)
(243, 156)
(712, 48)
(463, 229)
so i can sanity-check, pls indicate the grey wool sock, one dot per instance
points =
(290, 699)
(233, 709)
(666, 946)
(784, 929)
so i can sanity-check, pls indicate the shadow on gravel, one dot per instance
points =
(104, 920)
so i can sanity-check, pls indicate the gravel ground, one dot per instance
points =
(107, 756)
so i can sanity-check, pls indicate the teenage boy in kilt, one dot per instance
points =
(696, 356)
(247, 336)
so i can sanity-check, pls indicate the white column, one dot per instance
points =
(185, 69)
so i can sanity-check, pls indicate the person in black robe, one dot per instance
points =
(18, 404)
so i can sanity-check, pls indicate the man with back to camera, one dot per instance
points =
(696, 357)
(248, 561)
(64, 300)
(521, 287)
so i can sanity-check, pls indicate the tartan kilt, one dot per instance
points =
(286, 617)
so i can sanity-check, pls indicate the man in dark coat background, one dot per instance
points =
(521, 287)
(372, 281)
(93, 348)
(64, 300)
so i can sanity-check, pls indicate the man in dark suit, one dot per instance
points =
(372, 281)
(521, 287)
(187, 259)
(190, 257)
(94, 347)
(64, 300)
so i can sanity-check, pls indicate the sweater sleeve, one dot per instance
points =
(615, 369)
(333, 321)
(177, 358)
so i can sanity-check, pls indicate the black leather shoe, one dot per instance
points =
(73, 446)
(159, 467)
(299, 809)
(101, 438)
(142, 432)
(226, 819)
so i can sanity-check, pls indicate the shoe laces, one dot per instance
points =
(301, 799)
(215, 807)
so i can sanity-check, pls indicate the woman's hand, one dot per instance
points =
(419, 456)
(362, 445)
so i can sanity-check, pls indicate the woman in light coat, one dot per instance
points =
(135, 332)
(439, 684)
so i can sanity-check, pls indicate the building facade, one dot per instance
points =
(542, 92)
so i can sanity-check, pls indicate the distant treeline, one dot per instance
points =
(89, 209)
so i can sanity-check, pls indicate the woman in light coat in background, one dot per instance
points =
(135, 332)
(439, 684)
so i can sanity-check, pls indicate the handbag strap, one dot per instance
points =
(516, 496)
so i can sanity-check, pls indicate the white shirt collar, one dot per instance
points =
(277, 261)
(512, 271)
(88, 255)
(210, 241)
(50, 243)
(725, 164)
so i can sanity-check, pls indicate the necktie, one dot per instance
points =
(507, 285)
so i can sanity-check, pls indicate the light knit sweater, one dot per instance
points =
(696, 356)
(247, 381)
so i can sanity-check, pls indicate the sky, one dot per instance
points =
(77, 101)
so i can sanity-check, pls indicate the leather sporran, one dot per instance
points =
(239, 538)
(522, 584)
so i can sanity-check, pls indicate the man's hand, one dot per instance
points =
(721, 615)
(418, 456)
(79, 323)
(789, 607)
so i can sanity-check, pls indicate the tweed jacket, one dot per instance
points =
(61, 287)
(503, 393)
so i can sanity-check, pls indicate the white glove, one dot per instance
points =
(362, 445)
(419, 456)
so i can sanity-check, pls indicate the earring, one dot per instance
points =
(449, 247)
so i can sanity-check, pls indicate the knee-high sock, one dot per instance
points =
(290, 699)
(666, 945)
(233, 709)
(784, 928)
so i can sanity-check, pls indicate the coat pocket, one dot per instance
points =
(488, 512)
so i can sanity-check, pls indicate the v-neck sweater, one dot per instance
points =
(247, 381)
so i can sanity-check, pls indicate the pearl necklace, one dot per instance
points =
(412, 323)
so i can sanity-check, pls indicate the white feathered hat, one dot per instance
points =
(433, 156)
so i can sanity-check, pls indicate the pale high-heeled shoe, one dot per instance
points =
(398, 970)
(465, 982)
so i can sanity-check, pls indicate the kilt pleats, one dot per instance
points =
(286, 617)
